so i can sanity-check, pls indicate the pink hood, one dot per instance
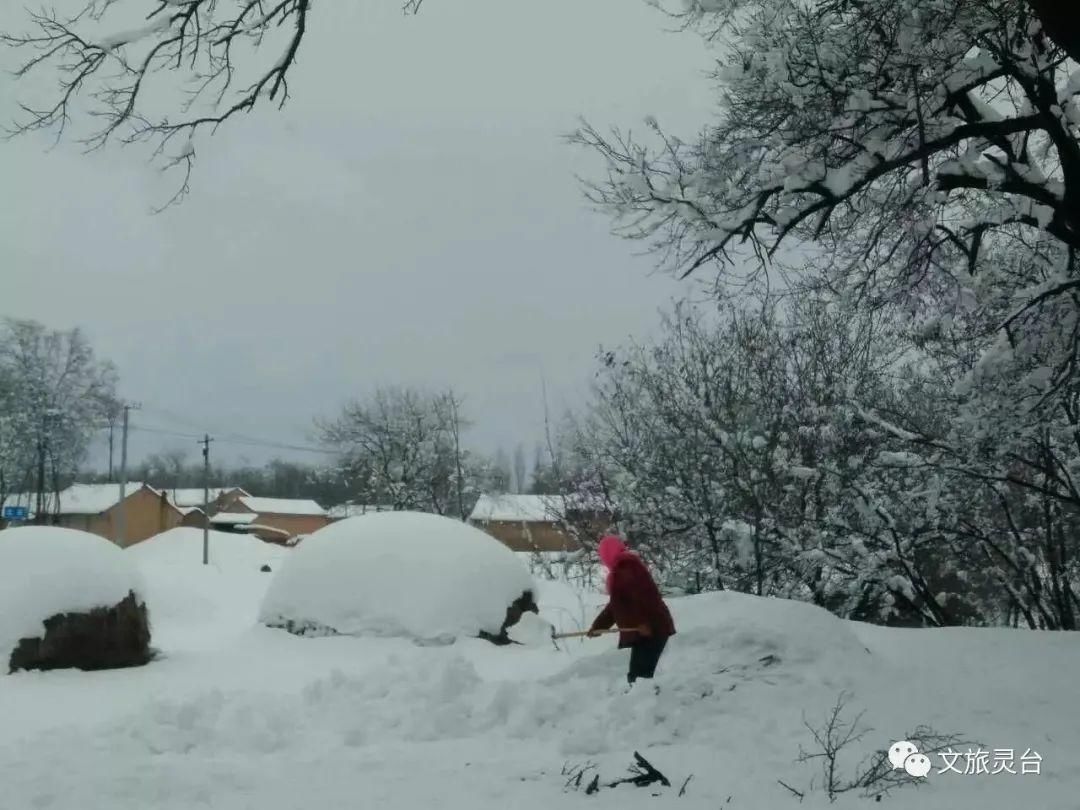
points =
(609, 551)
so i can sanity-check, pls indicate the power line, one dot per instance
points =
(180, 420)
(275, 445)
(233, 439)
(203, 428)
(164, 432)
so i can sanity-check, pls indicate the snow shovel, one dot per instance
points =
(582, 633)
(533, 631)
(555, 637)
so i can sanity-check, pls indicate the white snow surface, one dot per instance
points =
(515, 508)
(46, 570)
(282, 506)
(238, 716)
(194, 605)
(421, 576)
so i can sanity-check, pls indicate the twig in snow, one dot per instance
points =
(576, 774)
(798, 793)
(644, 774)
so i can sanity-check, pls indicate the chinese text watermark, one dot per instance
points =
(905, 756)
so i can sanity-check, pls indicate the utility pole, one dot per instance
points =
(121, 524)
(112, 427)
(456, 425)
(39, 512)
(47, 416)
(206, 499)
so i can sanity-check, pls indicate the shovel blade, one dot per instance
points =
(532, 631)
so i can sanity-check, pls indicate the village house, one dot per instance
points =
(275, 520)
(189, 501)
(95, 508)
(525, 522)
(186, 499)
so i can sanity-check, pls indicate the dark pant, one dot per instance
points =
(644, 656)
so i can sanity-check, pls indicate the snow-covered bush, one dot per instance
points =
(69, 599)
(408, 574)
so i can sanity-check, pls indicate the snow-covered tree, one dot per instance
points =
(402, 448)
(502, 472)
(521, 474)
(922, 160)
(995, 489)
(54, 396)
(16, 460)
(914, 144)
(738, 452)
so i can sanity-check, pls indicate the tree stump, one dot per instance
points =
(103, 638)
(525, 602)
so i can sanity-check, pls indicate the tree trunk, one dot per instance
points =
(759, 557)
(1061, 23)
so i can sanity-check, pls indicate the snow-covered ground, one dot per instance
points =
(237, 716)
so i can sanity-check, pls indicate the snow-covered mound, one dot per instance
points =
(183, 546)
(46, 570)
(422, 576)
(191, 604)
(754, 627)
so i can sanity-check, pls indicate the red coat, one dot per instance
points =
(634, 600)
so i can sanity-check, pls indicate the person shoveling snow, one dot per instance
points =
(635, 606)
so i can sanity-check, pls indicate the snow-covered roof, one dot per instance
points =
(518, 508)
(78, 499)
(233, 517)
(193, 496)
(348, 510)
(282, 506)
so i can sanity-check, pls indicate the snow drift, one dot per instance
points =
(46, 571)
(195, 605)
(421, 576)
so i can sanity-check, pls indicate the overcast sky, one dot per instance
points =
(411, 217)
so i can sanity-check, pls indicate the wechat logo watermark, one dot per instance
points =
(905, 756)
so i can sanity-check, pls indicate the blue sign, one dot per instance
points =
(16, 513)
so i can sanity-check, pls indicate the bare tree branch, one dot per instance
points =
(202, 48)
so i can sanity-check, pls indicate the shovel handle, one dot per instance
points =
(580, 633)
